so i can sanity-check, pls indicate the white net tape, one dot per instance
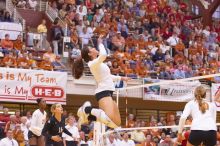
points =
(165, 90)
(144, 128)
(171, 81)
(103, 136)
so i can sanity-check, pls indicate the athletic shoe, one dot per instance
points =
(83, 117)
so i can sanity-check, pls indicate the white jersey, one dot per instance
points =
(206, 121)
(101, 72)
(37, 122)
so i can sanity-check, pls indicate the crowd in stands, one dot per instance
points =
(16, 125)
(15, 54)
(25, 4)
(5, 16)
(145, 38)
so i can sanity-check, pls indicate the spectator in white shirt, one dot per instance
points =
(76, 52)
(173, 40)
(29, 117)
(68, 140)
(85, 37)
(81, 12)
(83, 7)
(111, 141)
(37, 124)
(24, 128)
(126, 141)
(8, 141)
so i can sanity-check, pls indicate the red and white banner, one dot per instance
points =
(214, 89)
(23, 85)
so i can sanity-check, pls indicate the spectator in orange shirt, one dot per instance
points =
(115, 70)
(74, 38)
(18, 44)
(46, 65)
(127, 69)
(22, 61)
(9, 60)
(141, 70)
(148, 141)
(18, 135)
(7, 44)
(179, 47)
(131, 121)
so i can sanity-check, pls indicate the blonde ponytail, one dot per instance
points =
(200, 94)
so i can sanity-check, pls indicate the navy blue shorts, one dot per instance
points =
(103, 94)
(208, 138)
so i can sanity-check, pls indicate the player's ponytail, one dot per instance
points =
(78, 65)
(78, 68)
(200, 94)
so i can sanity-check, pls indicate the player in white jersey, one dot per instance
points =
(203, 112)
(37, 124)
(108, 112)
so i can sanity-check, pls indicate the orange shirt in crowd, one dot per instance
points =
(129, 42)
(127, 56)
(23, 62)
(46, 65)
(180, 47)
(179, 58)
(148, 144)
(19, 136)
(7, 44)
(131, 123)
(141, 44)
(74, 39)
(18, 45)
(9, 61)
(193, 50)
(101, 31)
(128, 70)
(142, 72)
(72, 2)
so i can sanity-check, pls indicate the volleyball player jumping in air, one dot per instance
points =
(203, 128)
(108, 113)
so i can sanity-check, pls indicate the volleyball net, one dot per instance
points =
(179, 90)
